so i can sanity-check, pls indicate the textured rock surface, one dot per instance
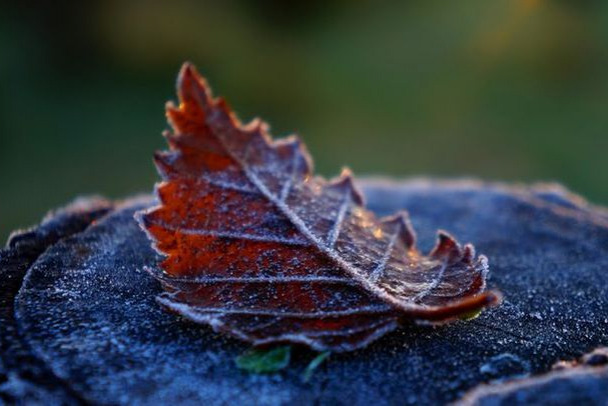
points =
(86, 311)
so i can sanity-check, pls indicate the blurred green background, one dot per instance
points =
(504, 89)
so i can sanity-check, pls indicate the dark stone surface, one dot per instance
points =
(87, 312)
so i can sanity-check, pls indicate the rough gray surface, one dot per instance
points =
(87, 310)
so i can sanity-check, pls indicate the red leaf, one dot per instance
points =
(258, 247)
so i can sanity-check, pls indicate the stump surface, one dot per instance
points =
(82, 313)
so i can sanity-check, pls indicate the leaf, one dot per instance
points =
(258, 247)
(472, 315)
(314, 364)
(264, 360)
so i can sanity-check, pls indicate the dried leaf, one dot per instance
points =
(258, 247)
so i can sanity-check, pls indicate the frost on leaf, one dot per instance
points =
(258, 247)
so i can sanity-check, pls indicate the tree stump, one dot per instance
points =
(80, 323)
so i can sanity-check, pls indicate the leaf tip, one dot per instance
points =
(187, 71)
(446, 248)
(192, 88)
(345, 184)
(404, 230)
(469, 254)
